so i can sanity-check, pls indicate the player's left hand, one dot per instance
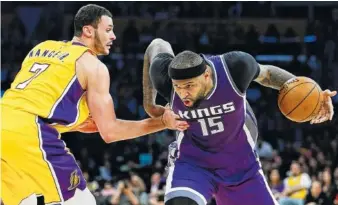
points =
(326, 111)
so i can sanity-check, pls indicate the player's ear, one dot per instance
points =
(206, 73)
(88, 31)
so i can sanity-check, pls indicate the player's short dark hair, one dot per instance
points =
(186, 59)
(89, 15)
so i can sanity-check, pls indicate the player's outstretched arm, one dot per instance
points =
(101, 107)
(149, 92)
(274, 77)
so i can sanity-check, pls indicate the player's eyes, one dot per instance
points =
(108, 30)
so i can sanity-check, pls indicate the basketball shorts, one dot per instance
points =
(201, 184)
(35, 161)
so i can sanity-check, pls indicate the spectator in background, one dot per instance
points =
(316, 196)
(155, 183)
(329, 188)
(137, 184)
(156, 195)
(104, 197)
(272, 31)
(105, 171)
(130, 191)
(276, 184)
(93, 186)
(296, 186)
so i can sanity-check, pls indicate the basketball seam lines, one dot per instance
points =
(280, 102)
(301, 101)
(316, 105)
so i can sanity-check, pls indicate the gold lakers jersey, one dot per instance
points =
(47, 86)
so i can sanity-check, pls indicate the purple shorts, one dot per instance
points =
(201, 184)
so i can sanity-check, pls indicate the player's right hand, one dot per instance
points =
(173, 121)
(326, 111)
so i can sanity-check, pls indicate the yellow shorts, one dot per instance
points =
(35, 160)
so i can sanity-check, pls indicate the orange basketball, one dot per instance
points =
(300, 99)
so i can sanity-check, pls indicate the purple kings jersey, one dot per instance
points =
(223, 128)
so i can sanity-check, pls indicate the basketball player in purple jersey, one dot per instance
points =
(215, 156)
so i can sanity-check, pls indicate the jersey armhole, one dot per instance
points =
(79, 78)
(231, 81)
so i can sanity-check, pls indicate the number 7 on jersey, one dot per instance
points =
(37, 69)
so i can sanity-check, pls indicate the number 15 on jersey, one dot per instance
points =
(211, 125)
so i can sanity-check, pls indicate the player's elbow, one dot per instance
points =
(107, 134)
(158, 41)
(148, 108)
(108, 137)
(158, 45)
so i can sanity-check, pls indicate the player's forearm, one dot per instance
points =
(123, 129)
(273, 76)
(149, 92)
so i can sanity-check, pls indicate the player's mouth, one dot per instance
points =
(109, 45)
(187, 103)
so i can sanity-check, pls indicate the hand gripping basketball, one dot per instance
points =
(301, 100)
(326, 111)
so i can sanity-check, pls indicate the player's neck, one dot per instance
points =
(83, 41)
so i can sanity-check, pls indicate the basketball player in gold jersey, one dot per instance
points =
(59, 85)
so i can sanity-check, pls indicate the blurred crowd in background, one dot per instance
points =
(299, 38)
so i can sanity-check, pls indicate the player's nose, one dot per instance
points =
(113, 36)
(183, 94)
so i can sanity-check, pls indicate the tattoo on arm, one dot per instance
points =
(149, 92)
(273, 76)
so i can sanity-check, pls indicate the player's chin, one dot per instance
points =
(105, 51)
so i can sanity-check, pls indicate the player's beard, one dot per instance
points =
(99, 47)
(199, 97)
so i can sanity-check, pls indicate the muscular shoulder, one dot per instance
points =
(239, 60)
(162, 60)
(159, 66)
(158, 73)
(243, 68)
(89, 65)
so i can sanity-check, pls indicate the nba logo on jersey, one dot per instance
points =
(74, 180)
